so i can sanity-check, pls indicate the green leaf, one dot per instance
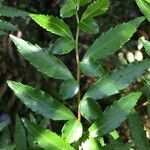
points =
(12, 12)
(67, 10)
(112, 40)
(90, 109)
(72, 131)
(137, 132)
(40, 102)
(117, 145)
(6, 26)
(10, 147)
(144, 7)
(116, 80)
(89, 26)
(43, 61)
(91, 68)
(45, 138)
(20, 135)
(84, 2)
(63, 46)
(52, 24)
(69, 88)
(96, 8)
(91, 144)
(114, 115)
(146, 45)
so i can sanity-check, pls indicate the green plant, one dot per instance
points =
(102, 123)
(6, 11)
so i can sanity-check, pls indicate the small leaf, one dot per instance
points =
(67, 10)
(112, 40)
(117, 80)
(72, 131)
(96, 8)
(45, 138)
(114, 115)
(146, 45)
(91, 144)
(89, 26)
(68, 89)
(52, 24)
(137, 132)
(144, 7)
(43, 61)
(63, 46)
(91, 68)
(90, 109)
(11, 12)
(41, 102)
(6, 26)
(20, 135)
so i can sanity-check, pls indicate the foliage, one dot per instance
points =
(33, 133)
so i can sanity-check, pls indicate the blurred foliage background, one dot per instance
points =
(14, 67)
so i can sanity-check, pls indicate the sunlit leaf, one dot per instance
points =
(40, 102)
(112, 40)
(68, 89)
(45, 62)
(96, 8)
(52, 24)
(72, 131)
(90, 109)
(45, 138)
(144, 6)
(114, 115)
(117, 80)
(63, 46)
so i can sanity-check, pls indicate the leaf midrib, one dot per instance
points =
(34, 98)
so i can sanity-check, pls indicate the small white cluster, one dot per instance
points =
(130, 57)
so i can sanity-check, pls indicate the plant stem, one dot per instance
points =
(78, 61)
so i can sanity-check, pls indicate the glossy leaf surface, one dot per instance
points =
(41, 102)
(72, 131)
(63, 46)
(45, 138)
(69, 88)
(45, 62)
(117, 80)
(144, 6)
(96, 8)
(112, 40)
(114, 115)
(90, 109)
(52, 24)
